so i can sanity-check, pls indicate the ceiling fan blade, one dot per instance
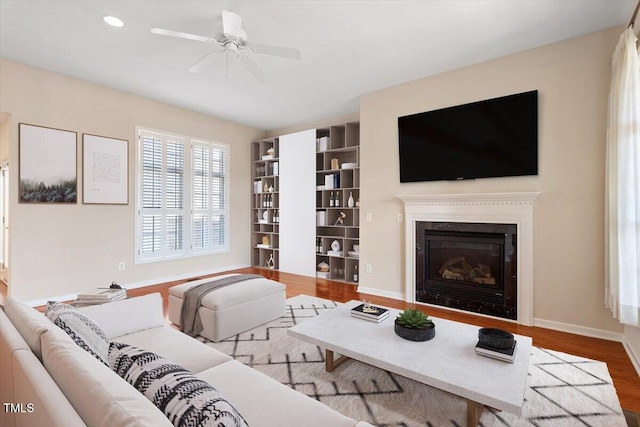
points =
(286, 52)
(181, 35)
(204, 62)
(253, 68)
(232, 23)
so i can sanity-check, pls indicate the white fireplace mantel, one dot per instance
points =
(494, 208)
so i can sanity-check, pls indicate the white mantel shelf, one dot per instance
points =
(469, 198)
(497, 208)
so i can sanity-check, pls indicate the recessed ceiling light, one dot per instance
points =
(113, 21)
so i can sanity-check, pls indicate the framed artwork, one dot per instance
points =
(47, 165)
(105, 166)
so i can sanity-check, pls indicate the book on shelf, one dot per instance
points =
(103, 294)
(370, 318)
(504, 354)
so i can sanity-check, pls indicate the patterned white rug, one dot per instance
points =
(563, 390)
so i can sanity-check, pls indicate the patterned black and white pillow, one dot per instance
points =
(184, 399)
(80, 328)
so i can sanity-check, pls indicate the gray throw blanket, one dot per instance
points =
(190, 322)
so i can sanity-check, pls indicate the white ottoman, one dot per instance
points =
(234, 308)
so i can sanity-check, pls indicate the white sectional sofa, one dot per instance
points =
(50, 381)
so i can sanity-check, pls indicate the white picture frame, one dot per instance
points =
(105, 170)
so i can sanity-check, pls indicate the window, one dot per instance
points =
(182, 197)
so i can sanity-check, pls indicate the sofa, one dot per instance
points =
(48, 380)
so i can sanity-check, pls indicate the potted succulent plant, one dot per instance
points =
(414, 325)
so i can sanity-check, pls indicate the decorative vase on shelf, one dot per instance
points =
(271, 262)
(351, 203)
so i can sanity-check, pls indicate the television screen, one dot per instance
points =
(492, 138)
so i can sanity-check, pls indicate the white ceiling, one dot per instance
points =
(349, 48)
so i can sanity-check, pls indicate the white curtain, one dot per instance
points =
(622, 211)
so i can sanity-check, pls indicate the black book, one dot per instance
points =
(360, 310)
(504, 354)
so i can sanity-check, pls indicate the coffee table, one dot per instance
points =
(447, 362)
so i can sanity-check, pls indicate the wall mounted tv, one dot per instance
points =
(492, 138)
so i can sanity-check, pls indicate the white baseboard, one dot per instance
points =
(633, 356)
(380, 293)
(142, 284)
(184, 276)
(578, 330)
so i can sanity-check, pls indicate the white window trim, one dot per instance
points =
(187, 251)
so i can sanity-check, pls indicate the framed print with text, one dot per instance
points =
(105, 165)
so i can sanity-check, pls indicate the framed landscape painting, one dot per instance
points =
(48, 165)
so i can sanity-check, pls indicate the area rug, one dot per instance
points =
(562, 390)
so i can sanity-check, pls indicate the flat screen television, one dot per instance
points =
(492, 138)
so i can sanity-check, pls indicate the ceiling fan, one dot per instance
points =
(233, 41)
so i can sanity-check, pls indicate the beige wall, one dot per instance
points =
(572, 78)
(5, 132)
(62, 249)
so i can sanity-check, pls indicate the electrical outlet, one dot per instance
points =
(367, 268)
(399, 217)
(121, 266)
(368, 217)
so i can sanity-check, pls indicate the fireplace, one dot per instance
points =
(514, 209)
(467, 266)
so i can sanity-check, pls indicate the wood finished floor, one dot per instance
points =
(625, 378)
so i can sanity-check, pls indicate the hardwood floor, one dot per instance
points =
(625, 378)
(3, 291)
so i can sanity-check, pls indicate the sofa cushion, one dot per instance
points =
(127, 316)
(80, 328)
(29, 322)
(11, 342)
(98, 394)
(34, 386)
(177, 347)
(184, 399)
(268, 403)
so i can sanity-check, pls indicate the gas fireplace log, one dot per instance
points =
(459, 269)
(485, 280)
(446, 274)
(485, 269)
(449, 263)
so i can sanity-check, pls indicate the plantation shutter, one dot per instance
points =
(162, 183)
(170, 180)
(209, 198)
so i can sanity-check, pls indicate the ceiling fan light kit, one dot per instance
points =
(233, 39)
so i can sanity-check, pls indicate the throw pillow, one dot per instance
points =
(80, 328)
(185, 399)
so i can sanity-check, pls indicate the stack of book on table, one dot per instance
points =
(373, 316)
(100, 296)
(504, 354)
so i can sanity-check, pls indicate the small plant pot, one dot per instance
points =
(413, 334)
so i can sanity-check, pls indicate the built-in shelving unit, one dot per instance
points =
(338, 182)
(265, 203)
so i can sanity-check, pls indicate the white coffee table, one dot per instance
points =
(447, 362)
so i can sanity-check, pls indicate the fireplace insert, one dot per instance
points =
(468, 266)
